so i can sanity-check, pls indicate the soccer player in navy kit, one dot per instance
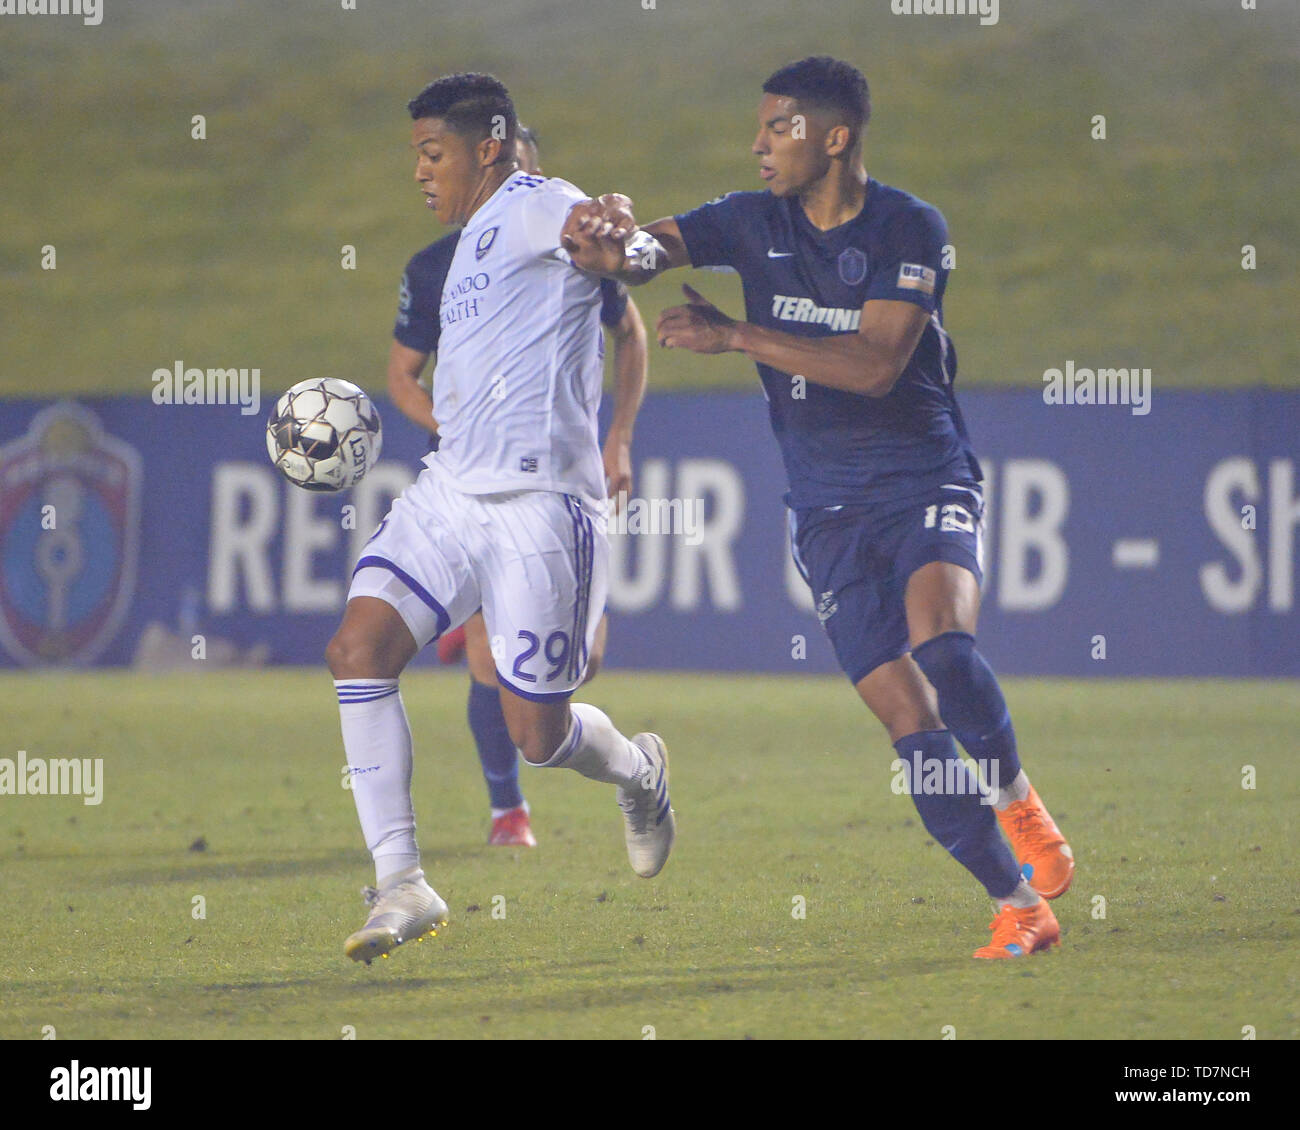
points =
(415, 339)
(844, 280)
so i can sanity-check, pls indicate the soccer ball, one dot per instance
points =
(324, 434)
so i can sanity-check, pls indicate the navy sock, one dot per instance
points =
(970, 702)
(496, 751)
(948, 797)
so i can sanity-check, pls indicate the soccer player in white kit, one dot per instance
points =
(508, 517)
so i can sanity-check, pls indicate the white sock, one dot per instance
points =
(377, 739)
(1010, 794)
(497, 813)
(1023, 897)
(597, 750)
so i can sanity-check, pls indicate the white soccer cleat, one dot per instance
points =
(406, 909)
(651, 827)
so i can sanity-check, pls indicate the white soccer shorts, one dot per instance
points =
(536, 562)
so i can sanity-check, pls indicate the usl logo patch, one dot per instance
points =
(914, 276)
(853, 266)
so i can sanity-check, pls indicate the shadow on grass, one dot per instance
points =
(590, 984)
(216, 867)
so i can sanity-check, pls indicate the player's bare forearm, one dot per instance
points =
(631, 368)
(867, 363)
(849, 362)
(404, 368)
(415, 404)
(631, 362)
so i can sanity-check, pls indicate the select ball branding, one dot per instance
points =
(324, 434)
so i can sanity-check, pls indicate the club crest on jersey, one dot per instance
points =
(485, 242)
(914, 276)
(827, 606)
(69, 535)
(853, 266)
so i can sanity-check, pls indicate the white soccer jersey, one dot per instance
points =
(518, 377)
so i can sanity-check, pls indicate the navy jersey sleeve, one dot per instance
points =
(912, 269)
(613, 302)
(420, 296)
(709, 231)
(417, 324)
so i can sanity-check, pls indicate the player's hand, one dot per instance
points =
(698, 326)
(618, 466)
(596, 232)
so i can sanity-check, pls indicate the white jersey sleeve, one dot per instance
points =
(542, 215)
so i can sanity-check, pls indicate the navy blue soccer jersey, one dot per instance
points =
(839, 447)
(420, 296)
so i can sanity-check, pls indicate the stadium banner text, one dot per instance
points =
(1114, 544)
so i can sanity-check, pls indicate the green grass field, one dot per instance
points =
(782, 789)
(226, 251)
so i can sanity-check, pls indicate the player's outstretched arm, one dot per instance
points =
(631, 362)
(602, 237)
(868, 362)
(404, 368)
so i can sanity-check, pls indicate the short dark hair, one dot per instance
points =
(827, 84)
(471, 105)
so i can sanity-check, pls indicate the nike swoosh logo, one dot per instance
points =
(772, 254)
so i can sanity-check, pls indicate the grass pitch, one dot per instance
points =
(782, 789)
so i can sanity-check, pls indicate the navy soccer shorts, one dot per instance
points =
(857, 559)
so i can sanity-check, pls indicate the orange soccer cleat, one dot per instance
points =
(512, 829)
(451, 645)
(1018, 933)
(1046, 859)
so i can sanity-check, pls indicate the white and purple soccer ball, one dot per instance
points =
(324, 434)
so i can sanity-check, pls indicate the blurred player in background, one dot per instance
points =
(415, 339)
(507, 517)
(844, 280)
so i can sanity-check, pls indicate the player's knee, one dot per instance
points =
(534, 752)
(528, 741)
(534, 746)
(355, 655)
(899, 725)
(945, 657)
(593, 667)
(911, 713)
(342, 654)
(336, 654)
(901, 699)
(538, 739)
